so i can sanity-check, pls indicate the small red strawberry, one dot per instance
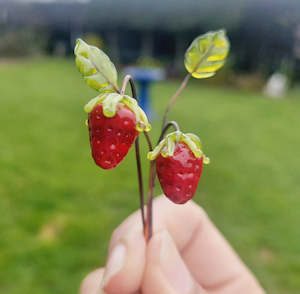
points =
(111, 137)
(179, 162)
(114, 121)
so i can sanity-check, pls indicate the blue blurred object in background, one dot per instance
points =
(145, 77)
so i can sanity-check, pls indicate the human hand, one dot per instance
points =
(186, 255)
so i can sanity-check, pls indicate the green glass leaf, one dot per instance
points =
(95, 66)
(207, 54)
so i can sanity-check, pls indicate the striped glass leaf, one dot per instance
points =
(206, 54)
(95, 66)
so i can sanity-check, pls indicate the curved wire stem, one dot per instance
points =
(173, 124)
(148, 219)
(184, 83)
(152, 181)
(127, 79)
(174, 98)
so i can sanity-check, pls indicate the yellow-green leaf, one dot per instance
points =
(95, 66)
(207, 54)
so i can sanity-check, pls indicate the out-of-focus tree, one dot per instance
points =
(262, 32)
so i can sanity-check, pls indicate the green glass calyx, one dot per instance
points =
(110, 102)
(166, 146)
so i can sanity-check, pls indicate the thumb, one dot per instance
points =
(165, 271)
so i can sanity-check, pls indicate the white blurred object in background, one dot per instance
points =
(276, 86)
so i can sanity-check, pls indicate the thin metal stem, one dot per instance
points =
(173, 124)
(174, 98)
(148, 141)
(140, 180)
(152, 180)
(184, 83)
(149, 219)
(127, 79)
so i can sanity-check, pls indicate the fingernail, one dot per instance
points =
(173, 266)
(115, 263)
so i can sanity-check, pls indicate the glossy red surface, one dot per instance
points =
(111, 138)
(179, 174)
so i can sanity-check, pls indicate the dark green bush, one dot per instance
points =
(22, 42)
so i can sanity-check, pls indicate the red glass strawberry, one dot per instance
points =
(179, 162)
(114, 122)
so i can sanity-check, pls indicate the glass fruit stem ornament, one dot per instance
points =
(115, 121)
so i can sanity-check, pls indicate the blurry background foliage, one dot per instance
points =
(22, 42)
(263, 34)
(58, 208)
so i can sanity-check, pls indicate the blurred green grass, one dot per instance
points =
(58, 209)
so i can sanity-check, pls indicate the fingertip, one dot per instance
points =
(91, 283)
(125, 264)
(129, 228)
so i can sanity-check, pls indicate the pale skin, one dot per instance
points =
(186, 255)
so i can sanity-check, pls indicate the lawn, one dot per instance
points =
(58, 209)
